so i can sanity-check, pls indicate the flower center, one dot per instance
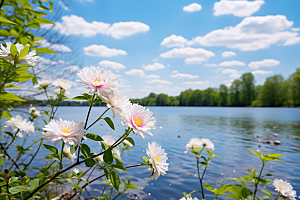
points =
(66, 131)
(157, 159)
(138, 121)
(97, 80)
(281, 187)
(196, 143)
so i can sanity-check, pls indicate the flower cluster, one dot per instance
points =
(34, 113)
(197, 143)
(284, 188)
(60, 83)
(17, 123)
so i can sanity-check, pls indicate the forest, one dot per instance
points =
(275, 92)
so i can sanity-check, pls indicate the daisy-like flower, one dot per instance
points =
(189, 198)
(98, 80)
(208, 144)
(69, 131)
(136, 117)
(115, 101)
(19, 123)
(67, 154)
(30, 58)
(62, 83)
(32, 110)
(42, 84)
(34, 113)
(194, 143)
(283, 187)
(158, 159)
(292, 195)
(108, 139)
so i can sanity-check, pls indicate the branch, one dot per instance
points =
(9, 156)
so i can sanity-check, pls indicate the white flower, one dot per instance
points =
(32, 110)
(36, 114)
(292, 195)
(115, 102)
(67, 154)
(283, 187)
(42, 84)
(18, 123)
(69, 131)
(30, 58)
(62, 83)
(99, 158)
(158, 159)
(136, 117)
(208, 144)
(127, 143)
(108, 139)
(194, 143)
(189, 198)
(76, 170)
(98, 80)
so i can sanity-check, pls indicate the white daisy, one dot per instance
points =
(97, 80)
(158, 159)
(32, 110)
(115, 101)
(189, 198)
(208, 144)
(194, 143)
(30, 58)
(18, 123)
(69, 131)
(292, 195)
(42, 84)
(283, 187)
(136, 117)
(67, 154)
(62, 83)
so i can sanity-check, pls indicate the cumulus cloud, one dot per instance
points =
(110, 64)
(263, 63)
(187, 52)
(237, 8)
(159, 81)
(210, 65)
(102, 51)
(196, 84)
(252, 33)
(75, 25)
(152, 76)
(136, 72)
(155, 66)
(231, 63)
(295, 29)
(261, 72)
(55, 47)
(179, 75)
(194, 60)
(174, 41)
(192, 7)
(228, 53)
(233, 73)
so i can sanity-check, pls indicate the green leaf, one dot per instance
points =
(90, 162)
(85, 150)
(109, 122)
(43, 21)
(129, 139)
(274, 155)
(10, 86)
(6, 21)
(7, 96)
(34, 79)
(104, 146)
(221, 190)
(24, 52)
(108, 156)
(34, 184)
(51, 148)
(44, 50)
(145, 158)
(6, 115)
(256, 153)
(94, 137)
(45, 113)
(72, 149)
(17, 189)
(2, 163)
(209, 187)
(268, 193)
(115, 180)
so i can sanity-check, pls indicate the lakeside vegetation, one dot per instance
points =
(275, 92)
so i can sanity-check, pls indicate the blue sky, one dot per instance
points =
(170, 46)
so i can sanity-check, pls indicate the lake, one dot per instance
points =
(232, 130)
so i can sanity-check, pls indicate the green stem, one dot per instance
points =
(5, 152)
(15, 136)
(98, 119)
(62, 149)
(102, 192)
(41, 142)
(256, 184)
(49, 166)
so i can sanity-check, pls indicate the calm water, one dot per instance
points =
(233, 131)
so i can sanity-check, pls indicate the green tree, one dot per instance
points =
(273, 92)
(293, 84)
(247, 89)
(162, 100)
(235, 93)
(223, 95)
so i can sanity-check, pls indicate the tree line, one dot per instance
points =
(275, 92)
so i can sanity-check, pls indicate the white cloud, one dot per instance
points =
(263, 63)
(196, 84)
(261, 72)
(174, 71)
(63, 5)
(71, 68)
(210, 65)
(252, 33)
(192, 7)
(233, 73)
(237, 8)
(187, 52)
(136, 72)
(179, 75)
(102, 51)
(46, 61)
(75, 25)
(159, 81)
(228, 81)
(110, 64)
(174, 41)
(194, 60)
(231, 63)
(228, 53)
(295, 29)
(55, 47)
(152, 76)
(155, 66)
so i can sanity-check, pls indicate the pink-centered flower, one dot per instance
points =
(140, 120)
(98, 80)
(69, 131)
